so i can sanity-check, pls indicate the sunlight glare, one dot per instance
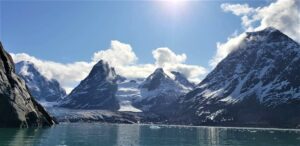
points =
(175, 4)
(174, 7)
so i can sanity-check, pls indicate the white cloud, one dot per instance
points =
(119, 55)
(281, 14)
(167, 59)
(223, 49)
(136, 70)
(68, 75)
(237, 9)
(165, 56)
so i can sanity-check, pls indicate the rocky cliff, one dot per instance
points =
(17, 106)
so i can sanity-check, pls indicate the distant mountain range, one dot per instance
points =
(104, 89)
(40, 87)
(257, 84)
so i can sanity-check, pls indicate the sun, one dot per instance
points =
(173, 5)
(176, 2)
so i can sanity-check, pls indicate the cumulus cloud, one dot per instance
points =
(223, 49)
(165, 56)
(237, 9)
(68, 75)
(167, 59)
(281, 14)
(119, 55)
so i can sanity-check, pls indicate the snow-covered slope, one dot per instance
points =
(40, 87)
(151, 94)
(128, 92)
(183, 80)
(252, 85)
(158, 91)
(96, 91)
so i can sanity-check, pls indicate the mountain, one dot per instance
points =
(17, 106)
(96, 91)
(257, 84)
(179, 77)
(158, 91)
(40, 87)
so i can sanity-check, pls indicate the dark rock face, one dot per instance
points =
(96, 91)
(257, 84)
(17, 106)
(40, 87)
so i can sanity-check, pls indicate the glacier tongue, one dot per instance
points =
(128, 92)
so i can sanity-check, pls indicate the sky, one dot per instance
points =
(64, 39)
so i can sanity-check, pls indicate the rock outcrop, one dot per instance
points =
(17, 106)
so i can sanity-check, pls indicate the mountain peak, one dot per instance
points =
(179, 77)
(24, 62)
(40, 87)
(102, 70)
(26, 68)
(262, 72)
(96, 91)
(159, 70)
(100, 63)
(266, 30)
(270, 28)
(155, 79)
(158, 73)
(269, 34)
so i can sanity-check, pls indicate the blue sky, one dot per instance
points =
(73, 31)
(64, 39)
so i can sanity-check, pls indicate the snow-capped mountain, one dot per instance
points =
(152, 94)
(40, 87)
(158, 91)
(183, 80)
(256, 84)
(96, 91)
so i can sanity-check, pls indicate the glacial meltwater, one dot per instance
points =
(95, 134)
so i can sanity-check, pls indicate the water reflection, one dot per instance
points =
(20, 137)
(208, 136)
(89, 134)
(128, 135)
(79, 134)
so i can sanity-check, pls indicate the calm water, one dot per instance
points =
(88, 134)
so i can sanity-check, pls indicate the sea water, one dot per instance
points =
(96, 134)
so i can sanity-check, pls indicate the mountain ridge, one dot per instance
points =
(96, 91)
(261, 75)
(40, 87)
